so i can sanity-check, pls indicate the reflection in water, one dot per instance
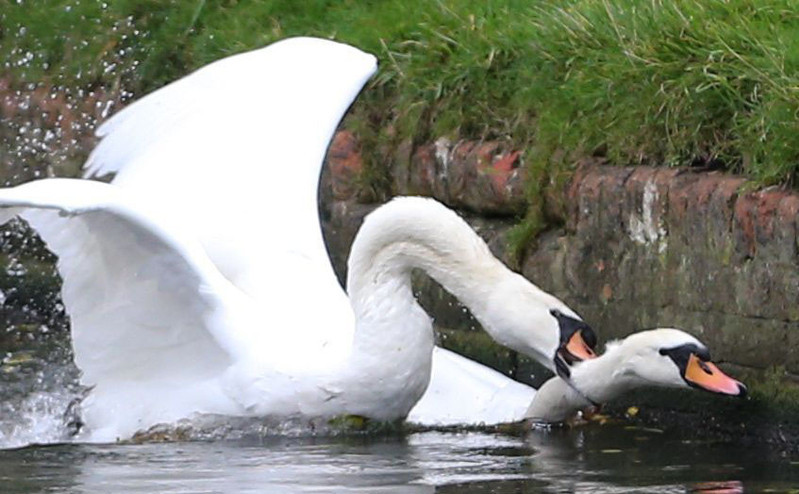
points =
(634, 459)
(591, 459)
(725, 487)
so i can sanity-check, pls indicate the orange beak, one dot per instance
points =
(578, 349)
(707, 376)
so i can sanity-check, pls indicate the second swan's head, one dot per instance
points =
(659, 352)
(671, 358)
(662, 357)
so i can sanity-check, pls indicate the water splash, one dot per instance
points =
(38, 418)
(53, 96)
(38, 379)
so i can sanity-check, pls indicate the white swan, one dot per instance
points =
(191, 290)
(660, 357)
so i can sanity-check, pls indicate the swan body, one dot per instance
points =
(193, 342)
(190, 290)
(663, 357)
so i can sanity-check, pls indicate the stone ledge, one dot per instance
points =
(483, 177)
(640, 247)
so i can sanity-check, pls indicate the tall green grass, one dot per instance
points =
(672, 82)
(663, 82)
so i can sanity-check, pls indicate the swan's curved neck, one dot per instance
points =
(407, 234)
(415, 233)
(389, 246)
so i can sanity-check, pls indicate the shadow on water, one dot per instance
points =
(611, 458)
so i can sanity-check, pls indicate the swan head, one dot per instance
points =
(662, 357)
(537, 324)
(673, 358)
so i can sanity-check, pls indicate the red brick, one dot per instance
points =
(768, 201)
(345, 162)
(745, 208)
(423, 171)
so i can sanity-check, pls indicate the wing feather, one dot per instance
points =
(145, 302)
(229, 149)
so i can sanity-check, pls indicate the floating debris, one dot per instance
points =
(18, 358)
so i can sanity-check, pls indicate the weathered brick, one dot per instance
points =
(345, 164)
(645, 247)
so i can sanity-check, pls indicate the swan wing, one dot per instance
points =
(234, 152)
(158, 332)
(145, 303)
(464, 392)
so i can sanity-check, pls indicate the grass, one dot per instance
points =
(681, 82)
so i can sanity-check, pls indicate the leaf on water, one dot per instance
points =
(18, 358)
(643, 429)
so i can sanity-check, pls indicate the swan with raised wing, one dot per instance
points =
(192, 291)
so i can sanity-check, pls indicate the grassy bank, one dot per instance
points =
(678, 82)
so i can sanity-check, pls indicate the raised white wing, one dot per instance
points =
(234, 152)
(145, 301)
(156, 328)
(213, 210)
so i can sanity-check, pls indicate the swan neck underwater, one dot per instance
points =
(662, 357)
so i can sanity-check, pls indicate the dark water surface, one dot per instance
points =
(594, 458)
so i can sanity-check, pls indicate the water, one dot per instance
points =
(594, 458)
